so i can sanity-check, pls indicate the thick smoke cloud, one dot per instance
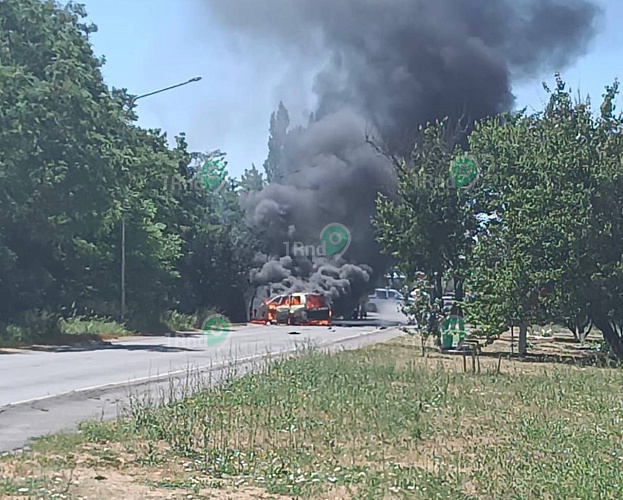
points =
(386, 67)
(403, 62)
(330, 174)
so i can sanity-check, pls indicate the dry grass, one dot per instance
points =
(382, 422)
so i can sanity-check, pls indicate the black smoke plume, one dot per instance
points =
(386, 67)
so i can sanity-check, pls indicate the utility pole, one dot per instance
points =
(132, 101)
(122, 265)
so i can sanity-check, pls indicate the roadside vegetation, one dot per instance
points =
(73, 167)
(534, 237)
(381, 422)
(46, 328)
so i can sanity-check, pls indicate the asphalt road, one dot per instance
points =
(53, 389)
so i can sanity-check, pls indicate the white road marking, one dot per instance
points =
(156, 378)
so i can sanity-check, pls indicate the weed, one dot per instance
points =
(381, 422)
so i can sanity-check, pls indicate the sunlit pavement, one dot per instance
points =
(47, 391)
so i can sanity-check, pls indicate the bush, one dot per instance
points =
(31, 326)
(177, 321)
(82, 325)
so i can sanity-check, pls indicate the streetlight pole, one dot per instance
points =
(192, 80)
(132, 102)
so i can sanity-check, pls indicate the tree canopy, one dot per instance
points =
(73, 163)
(539, 235)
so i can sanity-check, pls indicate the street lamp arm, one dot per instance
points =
(132, 101)
(192, 80)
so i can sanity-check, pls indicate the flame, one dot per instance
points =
(321, 322)
(314, 301)
(271, 314)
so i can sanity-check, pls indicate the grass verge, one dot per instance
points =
(45, 328)
(381, 422)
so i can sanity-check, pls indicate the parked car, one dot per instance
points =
(384, 296)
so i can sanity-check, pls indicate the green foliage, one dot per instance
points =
(279, 124)
(425, 312)
(58, 158)
(319, 414)
(425, 228)
(73, 165)
(374, 423)
(90, 325)
(539, 237)
(216, 254)
(30, 326)
(527, 265)
(251, 180)
(550, 248)
(178, 322)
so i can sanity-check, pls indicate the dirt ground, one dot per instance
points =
(111, 471)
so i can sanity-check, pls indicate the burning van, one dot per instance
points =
(294, 309)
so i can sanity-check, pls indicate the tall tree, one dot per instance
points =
(217, 250)
(61, 157)
(603, 244)
(279, 124)
(73, 165)
(425, 227)
(551, 247)
(251, 180)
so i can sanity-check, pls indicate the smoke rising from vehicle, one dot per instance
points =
(386, 67)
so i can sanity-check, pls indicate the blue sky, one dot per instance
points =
(150, 44)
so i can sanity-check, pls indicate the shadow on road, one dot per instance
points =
(103, 346)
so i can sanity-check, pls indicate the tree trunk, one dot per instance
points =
(512, 340)
(459, 292)
(611, 335)
(459, 295)
(523, 339)
(438, 286)
(585, 332)
(574, 329)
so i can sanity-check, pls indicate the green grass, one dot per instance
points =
(177, 322)
(44, 327)
(82, 325)
(381, 422)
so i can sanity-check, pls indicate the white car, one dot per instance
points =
(384, 296)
